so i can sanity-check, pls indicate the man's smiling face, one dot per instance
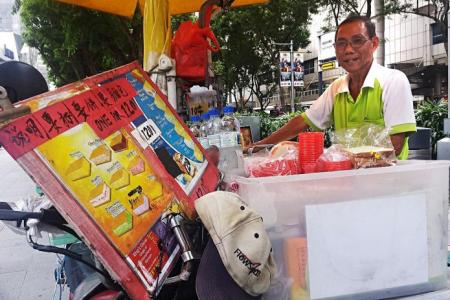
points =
(354, 47)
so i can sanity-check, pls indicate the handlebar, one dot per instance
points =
(49, 216)
(12, 215)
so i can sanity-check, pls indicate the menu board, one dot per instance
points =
(120, 150)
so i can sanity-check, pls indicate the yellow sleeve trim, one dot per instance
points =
(310, 124)
(403, 128)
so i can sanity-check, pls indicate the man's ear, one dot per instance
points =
(375, 42)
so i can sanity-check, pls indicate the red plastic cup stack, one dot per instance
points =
(310, 148)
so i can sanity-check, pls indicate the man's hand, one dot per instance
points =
(290, 130)
(397, 141)
(214, 155)
(256, 147)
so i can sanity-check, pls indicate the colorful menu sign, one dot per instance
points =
(126, 158)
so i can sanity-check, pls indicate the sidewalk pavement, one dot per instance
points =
(25, 274)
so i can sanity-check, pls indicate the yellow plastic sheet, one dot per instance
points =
(127, 8)
(177, 7)
(157, 31)
(124, 8)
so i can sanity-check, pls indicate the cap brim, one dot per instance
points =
(213, 280)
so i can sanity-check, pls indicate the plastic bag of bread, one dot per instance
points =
(368, 146)
(280, 161)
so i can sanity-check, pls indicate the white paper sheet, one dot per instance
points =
(366, 245)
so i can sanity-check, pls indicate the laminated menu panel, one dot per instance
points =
(114, 158)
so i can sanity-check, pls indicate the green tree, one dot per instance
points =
(76, 42)
(248, 35)
(339, 9)
(431, 114)
(436, 10)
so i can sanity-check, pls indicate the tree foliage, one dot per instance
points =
(337, 10)
(431, 114)
(248, 35)
(76, 42)
(436, 10)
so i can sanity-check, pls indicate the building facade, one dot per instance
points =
(413, 44)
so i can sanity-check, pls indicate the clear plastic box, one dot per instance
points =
(358, 234)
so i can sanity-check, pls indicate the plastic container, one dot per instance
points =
(229, 158)
(357, 234)
(310, 148)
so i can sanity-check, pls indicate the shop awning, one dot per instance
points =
(125, 8)
(177, 7)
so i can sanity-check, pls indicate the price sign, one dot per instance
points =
(22, 135)
(84, 107)
(118, 90)
(149, 131)
(56, 119)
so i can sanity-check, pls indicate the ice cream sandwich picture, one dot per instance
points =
(119, 179)
(100, 155)
(139, 201)
(122, 220)
(119, 143)
(78, 169)
(136, 165)
(99, 195)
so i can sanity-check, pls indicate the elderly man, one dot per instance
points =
(369, 93)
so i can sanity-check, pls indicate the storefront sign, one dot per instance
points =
(326, 48)
(328, 65)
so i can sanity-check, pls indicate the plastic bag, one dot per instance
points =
(368, 146)
(280, 161)
(190, 49)
(334, 158)
(32, 203)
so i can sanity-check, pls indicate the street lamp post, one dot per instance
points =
(292, 77)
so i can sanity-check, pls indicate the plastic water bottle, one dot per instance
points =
(229, 136)
(229, 122)
(215, 123)
(195, 126)
(203, 131)
(214, 127)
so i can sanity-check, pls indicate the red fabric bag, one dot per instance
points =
(190, 49)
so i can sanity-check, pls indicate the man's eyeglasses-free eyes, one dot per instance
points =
(356, 43)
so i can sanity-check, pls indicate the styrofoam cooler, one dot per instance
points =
(358, 234)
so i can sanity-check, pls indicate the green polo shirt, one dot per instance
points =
(385, 99)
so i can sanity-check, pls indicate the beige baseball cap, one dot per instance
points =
(241, 241)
